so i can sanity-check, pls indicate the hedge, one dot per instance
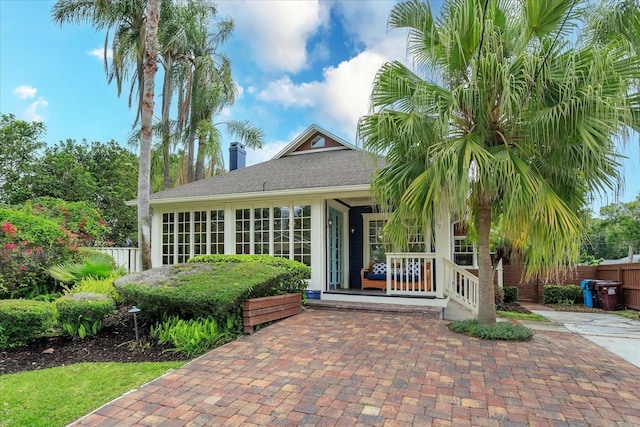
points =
(23, 320)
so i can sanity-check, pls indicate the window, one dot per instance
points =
(183, 237)
(261, 230)
(302, 234)
(217, 232)
(318, 142)
(199, 233)
(281, 231)
(168, 238)
(374, 249)
(463, 249)
(243, 231)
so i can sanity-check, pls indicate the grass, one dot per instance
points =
(58, 396)
(503, 331)
(629, 314)
(521, 316)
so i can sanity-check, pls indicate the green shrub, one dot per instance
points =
(81, 314)
(97, 266)
(498, 331)
(97, 286)
(510, 294)
(562, 294)
(190, 337)
(294, 281)
(196, 290)
(23, 320)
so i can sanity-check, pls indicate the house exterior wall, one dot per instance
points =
(319, 204)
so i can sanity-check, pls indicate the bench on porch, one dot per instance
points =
(256, 311)
(412, 276)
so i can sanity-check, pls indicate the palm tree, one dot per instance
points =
(208, 87)
(152, 17)
(125, 18)
(503, 115)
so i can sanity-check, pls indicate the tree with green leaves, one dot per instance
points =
(501, 114)
(19, 147)
(621, 224)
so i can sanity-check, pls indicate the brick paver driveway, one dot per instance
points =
(341, 368)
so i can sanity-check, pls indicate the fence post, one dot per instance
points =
(499, 269)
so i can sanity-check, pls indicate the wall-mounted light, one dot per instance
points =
(329, 223)
(353, 230)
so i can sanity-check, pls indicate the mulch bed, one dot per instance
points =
(114, 343)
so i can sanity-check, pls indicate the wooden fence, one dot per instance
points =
(532, 290)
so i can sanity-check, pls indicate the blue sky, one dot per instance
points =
(295, 63)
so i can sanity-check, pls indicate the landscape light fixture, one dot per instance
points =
(135, 310)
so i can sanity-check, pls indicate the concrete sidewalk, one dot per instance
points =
(614, 333)
(343, 368)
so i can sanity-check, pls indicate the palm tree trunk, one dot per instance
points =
(144, 176)
(487, 303)
(167, 92)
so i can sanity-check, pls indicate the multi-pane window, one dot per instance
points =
(416, 240)
(168, 237)
(217, 232)
(376, 249)
(302, 234)
(243, 231)
(183, 237)
(281, 231)
(199, 232)
(463, 251)
(261, 231)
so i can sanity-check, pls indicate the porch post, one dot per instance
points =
(442, 245)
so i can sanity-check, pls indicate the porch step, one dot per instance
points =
(424, 312)
(456, 311)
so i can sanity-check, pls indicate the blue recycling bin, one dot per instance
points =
(587, 293)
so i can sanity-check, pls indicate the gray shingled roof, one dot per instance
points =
(323, 169)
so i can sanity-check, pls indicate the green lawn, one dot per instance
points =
(521, 316)
(58, 396)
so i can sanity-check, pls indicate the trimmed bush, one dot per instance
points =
(510, 294)
(202, 290)
(562, 294)
(294, 281)
(82, 314)
(22, 321)
(505, 331)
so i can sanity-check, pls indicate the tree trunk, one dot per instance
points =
(144, 176)
(630, 252)
(487, 302)
(167, 92)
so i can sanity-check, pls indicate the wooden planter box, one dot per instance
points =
(257, 311)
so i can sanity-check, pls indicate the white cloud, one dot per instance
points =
(341, 98)
(267, 152)
(277, 31)
(25, 92)
(99, 53)
(34, 112)
(286, 92)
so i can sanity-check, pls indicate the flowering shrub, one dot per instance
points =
(81, 219)
(29, 245)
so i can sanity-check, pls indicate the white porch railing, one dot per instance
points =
(461, 286)
(412, 274)
(128, 258)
